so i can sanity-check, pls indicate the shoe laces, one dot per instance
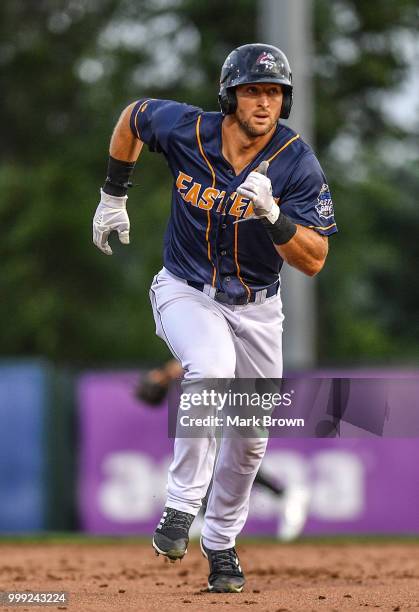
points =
(225, 562)
(177, 519)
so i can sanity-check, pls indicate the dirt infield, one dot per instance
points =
(126, 576)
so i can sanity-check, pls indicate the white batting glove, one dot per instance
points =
(258, 188)
(111, 215)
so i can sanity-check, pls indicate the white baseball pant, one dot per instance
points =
(215, 340)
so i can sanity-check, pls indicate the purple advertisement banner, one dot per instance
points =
(356, 485)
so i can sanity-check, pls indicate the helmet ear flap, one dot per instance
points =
(228, 101)
(286, 103)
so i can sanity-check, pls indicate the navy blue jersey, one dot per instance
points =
(202, 243)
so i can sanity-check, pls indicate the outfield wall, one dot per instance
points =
(82, 452)
(38, 447)
(357, 485)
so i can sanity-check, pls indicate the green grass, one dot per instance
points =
(80, 538)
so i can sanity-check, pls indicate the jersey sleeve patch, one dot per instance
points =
(307, 199)
(324, 206)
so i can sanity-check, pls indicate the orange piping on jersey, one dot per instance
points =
(140, 109)
(198, 137)
(283, 147)
(236, 227)
(236, 259)
(319, 227)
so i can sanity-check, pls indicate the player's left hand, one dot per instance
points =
(258, 188)
(111, 215)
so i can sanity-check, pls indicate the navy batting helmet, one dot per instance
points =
(256, 63)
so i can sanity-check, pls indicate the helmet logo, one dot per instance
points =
(266, 59)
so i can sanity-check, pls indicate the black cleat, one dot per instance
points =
(172, 534)
(226, 575)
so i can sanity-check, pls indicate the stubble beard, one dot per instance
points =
(252, 132)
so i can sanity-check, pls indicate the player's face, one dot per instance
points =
(258, 107)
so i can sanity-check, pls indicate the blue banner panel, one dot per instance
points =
(23, 403)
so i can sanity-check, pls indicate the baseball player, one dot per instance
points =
(248, 194)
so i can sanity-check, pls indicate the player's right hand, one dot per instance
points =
(111, 215)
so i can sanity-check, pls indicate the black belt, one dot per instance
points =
(221, 296)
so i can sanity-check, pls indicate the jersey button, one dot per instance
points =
(224, 226)
(227, 279)
(223, 253)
